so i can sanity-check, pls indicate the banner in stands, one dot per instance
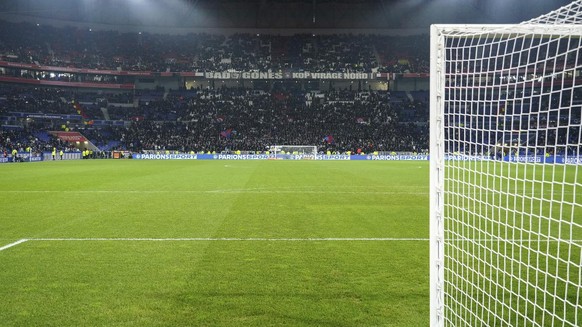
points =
(25, 157)
(22, 157)
(397, 157)
(44, 116)
(47, 156)
(333, 157)
(286, 75)
(221, 156)
(238, 156)
(165, 156)
(73, 70)
(70, 136)
(69, 84)
(31, 158)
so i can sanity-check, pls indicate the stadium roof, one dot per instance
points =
(280, 14)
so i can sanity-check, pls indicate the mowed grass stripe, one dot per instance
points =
(182, 209)
(336, 282)
(215, 284)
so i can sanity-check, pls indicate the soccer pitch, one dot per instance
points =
(190, 243)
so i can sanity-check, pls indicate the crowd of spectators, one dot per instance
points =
(228, 119)
(43, 100)
(31, 140)
(241, 119)
(113, 50)
(231, 119)
(66, 77)
(219, 119)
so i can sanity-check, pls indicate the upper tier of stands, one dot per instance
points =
(111, 50)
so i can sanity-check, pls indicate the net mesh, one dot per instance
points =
(295, 149)
(512, 213)
(569, 15)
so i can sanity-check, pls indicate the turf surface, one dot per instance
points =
(183, 243)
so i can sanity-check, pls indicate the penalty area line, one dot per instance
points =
(7, 246)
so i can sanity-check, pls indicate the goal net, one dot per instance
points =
(506, 183)
(307, 152)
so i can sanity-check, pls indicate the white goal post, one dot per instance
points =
(299, 151)
(506, 172)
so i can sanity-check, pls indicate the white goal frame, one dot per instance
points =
(300, 150)
(441, 164)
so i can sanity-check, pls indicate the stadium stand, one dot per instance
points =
(107, 50)
(228, 119)
(210, 118)
(239, 119)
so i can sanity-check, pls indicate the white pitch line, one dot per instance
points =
(13, 244)
(210, 192)
(352, 239)
(313, 192)
(266, 239)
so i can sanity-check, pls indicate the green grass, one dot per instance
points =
(214, 282)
